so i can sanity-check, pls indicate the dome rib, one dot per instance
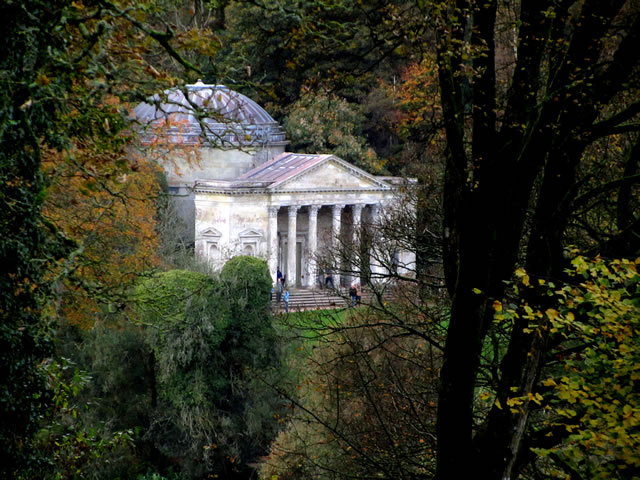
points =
(210, 114)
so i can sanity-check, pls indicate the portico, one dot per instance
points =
(318, 200)
(299, 263)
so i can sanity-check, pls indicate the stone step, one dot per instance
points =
(319, 299)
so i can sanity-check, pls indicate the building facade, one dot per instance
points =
(241, 193)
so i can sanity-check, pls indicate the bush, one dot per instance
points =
(212, 341)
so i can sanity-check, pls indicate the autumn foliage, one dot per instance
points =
(365, 404)
(106, 203)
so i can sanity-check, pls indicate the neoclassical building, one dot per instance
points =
(241, 193)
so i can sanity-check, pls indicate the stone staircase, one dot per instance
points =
(320, 299)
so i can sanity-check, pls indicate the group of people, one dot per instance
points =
(282, 293)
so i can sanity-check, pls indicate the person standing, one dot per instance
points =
(328, 279)
(353, 293)
(286, 301)
(358, 293)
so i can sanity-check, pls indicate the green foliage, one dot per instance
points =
(212, 342)
(325, 123)
(75, 450)
(249, 280)
(122, 376)
(247, 284)
(62, 63)
(157, 476)
(27, 245)
(286, 44)
(186, 320)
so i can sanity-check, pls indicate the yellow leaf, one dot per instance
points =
(551, 313)
(514, 401)
(497, 404)
(522, 274)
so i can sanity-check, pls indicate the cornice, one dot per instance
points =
(245, 192)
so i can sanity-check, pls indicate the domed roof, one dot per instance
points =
(213, 114)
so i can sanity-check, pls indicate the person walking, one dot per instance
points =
(286, 300)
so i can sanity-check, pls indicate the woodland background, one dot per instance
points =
(512, 352)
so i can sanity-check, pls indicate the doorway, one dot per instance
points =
(283, 260)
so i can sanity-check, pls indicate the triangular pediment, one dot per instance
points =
(210, 232)
(250, 233)
(332, 174)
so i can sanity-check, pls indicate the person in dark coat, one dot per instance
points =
(328, 279)
(353, 293)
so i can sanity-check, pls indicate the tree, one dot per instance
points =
(593, 396)
(324, 123)
(365, 405)
(283, 49)
(213, 344)
(62, 61)
(587, 408)
(539, 107)
(518, 126)
(76, 449)
(110, 213)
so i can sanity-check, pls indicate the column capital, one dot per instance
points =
(357, 208)
(337, 209)
(293, 210)
(313, 210)
(273, 210)
(375, 209)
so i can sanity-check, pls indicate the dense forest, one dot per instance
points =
(513, 349)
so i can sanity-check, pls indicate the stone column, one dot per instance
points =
(273, 240)
(335, 242)
(313, 245)
(357, 225)
(291, 246)
(377, 247)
